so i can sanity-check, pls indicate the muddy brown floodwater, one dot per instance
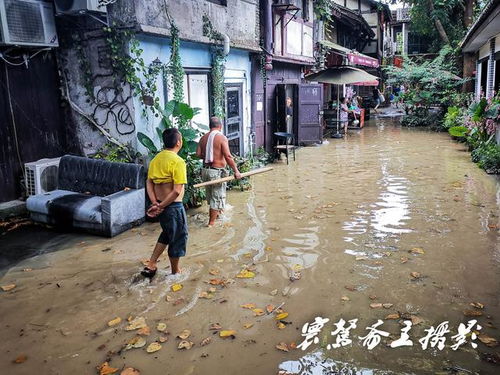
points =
(344, 216)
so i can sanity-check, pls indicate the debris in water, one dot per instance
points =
(114, 322)
(6, 288)
(137, 323)
(161, 327)
(184, 344)
(283, 347)
(105, 369)
(153, 347)
(228, 333)
(20, 359)
(184, 334)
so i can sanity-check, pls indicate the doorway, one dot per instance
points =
(233, 125)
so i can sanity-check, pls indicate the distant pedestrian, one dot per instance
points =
(344, 114)
(378, 98)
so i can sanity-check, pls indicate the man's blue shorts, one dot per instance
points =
(174, 227)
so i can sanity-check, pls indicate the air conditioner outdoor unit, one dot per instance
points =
(41, 176)
(27, 23)
(81, 6)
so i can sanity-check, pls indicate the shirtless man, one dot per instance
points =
(213, 149)
(165, 187)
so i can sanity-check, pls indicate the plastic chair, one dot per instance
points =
(283, 144)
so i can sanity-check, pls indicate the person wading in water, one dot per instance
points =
(213, 149)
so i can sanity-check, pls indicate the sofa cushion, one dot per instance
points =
(40, 203)
(98, 177)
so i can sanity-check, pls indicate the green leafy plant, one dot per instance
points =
(452, 117)
(488, 157)
(458, 131)
(115, 153)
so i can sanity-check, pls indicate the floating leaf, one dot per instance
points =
(472, 313)
(135, 343)
(130, 371)
(415, 275)
(273, 292)
(295, 275)
(283, 347)
(404, 259)
(270, 308)
(214, 272)
(345, 298)
(176, 287)
(8, 287)
(162, 339)
(258, 312)
(215, 327)
(281, 316)
(105, 369)
(249, 306)
(27, 269)
(477, 305)
(280, 325)
(245, 274)
(387, 305)
(375, 305)
(488, 341)
(114, 322)
(184, 344)
(361, 258)
(162, 327)
(392, 316)
(184, 334)
(417, 250)
(20, 359)
(227, 333)
(247, 325)
(153, 347)
(137, 323)
(206, 341)
(351, 288)
(145, 331)
(416, 320)
(372, 297)
(297, 267)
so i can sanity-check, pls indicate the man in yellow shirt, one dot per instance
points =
(165, 187)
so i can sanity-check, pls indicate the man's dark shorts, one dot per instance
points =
(173, 222)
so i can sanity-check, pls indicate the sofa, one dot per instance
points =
(93, 195)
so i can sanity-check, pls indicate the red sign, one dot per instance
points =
(366, 83)
(398, 61)
(363, 60)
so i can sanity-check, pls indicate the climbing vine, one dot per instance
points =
(174, 68)
(218, 66)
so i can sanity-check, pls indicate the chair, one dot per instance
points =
(97, 196)
(285, 142)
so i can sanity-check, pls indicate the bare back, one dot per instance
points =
(219, 141)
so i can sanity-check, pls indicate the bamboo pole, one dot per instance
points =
(229, 178)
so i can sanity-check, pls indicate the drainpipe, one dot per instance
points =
(226, 41)
(267, 11)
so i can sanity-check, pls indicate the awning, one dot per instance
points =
(341, 75)
(353, 56)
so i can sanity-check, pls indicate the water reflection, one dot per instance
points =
(317, 364)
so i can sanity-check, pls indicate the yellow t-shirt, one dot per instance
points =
(167, 167)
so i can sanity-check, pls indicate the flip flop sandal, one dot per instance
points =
(149, 273)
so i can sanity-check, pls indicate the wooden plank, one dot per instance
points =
(229, 178)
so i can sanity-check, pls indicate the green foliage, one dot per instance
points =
(487, 156)
(452, 116)
(218, 67)
(115, 153)
(175, 68)
(458, 131)
(246, 164)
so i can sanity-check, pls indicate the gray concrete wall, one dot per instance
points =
(239, 19)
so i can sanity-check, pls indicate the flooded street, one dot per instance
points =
(390, 221)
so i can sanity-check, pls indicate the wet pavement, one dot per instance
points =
(392, 216)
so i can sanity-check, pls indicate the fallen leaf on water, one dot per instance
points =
(345, 298)
(137, 323)
(145, 331)
(247, 325)
(176, 287)
(105, 369)
(206, 341)
(488, 341)
(214, 272)
(361, 258)
(416, 320)
(215, 327)
(245, 274)
(281, 316)
(477, 305)
(404, 259)
(135, 343)
(297, 267)
(227, 333)
(206, 295)
(153, 347)
(375, 305)
(280, 325)
(168, 298)
(249, 306)
(292, 345)
(184, 344)
(114, 322)
(220, 260)
(387, 253)
(162, 339)
(258, 312)
(130, 371)
(283, 347)
(351, 288)
(372, 296)
(415, 275)
(161, 327)
(269, 248)
(269, 309)
(392, 316)
(27, 269)
(184, 334)
(387, 305)
(417, 250)
(6, 288)
(212, 290)
(472, 313)
(295, 275)
(20, 359)
(273, 292)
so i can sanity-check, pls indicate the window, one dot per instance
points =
(218, 2)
